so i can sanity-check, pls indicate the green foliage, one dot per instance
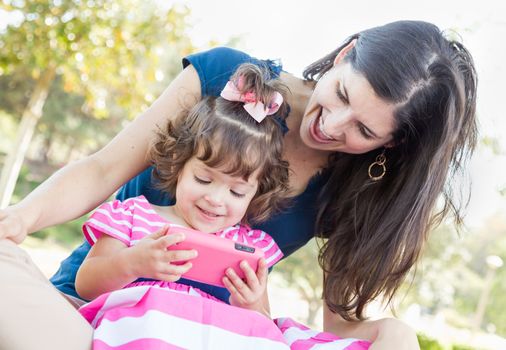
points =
(441, 273)
(99, 47)
(492, 143)
(307, 281)
(462, 347)
(490, 240)
(427, 343)
(15, 91)
(109, 65)
(26, 184)
(67, 127)
(451, 275)
(68, 234)
(7, 131)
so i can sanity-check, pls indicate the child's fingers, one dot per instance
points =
(234, 293)
(251, 278)
(180, 255)
(168, 240)
(238, 283)
(262, 271)
(160, 233)
(172, 272)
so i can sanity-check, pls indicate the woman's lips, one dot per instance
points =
(317, 132)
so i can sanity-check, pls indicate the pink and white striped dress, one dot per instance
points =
(166, 315)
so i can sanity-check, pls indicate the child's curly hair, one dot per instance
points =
(223, 135)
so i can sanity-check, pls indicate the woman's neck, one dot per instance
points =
(304, 161)
(298, 97)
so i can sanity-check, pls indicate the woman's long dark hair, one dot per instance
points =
(374, 230)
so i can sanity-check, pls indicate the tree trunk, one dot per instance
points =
(31, 116)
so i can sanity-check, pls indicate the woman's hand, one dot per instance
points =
(12, 225)
(150, 257)
(251, 293)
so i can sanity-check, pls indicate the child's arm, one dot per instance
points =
(111, 265)
(252, 293)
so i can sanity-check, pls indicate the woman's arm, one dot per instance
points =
(387, 333)
(81, 186)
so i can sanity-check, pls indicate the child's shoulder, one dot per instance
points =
(244, 233)
(128, 203)
(118, 209)
(256, 238)
(139, 200)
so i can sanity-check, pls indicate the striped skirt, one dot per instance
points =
(150, 317)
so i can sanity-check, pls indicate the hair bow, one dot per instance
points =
(255, 108)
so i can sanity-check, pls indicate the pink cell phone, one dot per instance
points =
(215, 255)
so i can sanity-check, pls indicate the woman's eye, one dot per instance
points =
(237, 194)
(201, 181)
(364, 132)
(340, 95)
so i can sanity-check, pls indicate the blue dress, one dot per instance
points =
(291, 229)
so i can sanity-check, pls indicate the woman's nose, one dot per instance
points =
(336, 122)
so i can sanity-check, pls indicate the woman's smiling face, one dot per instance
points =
(344, 113)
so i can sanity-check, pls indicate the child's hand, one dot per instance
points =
(252, 293)
(150, 258)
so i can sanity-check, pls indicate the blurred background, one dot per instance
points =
(74, 73)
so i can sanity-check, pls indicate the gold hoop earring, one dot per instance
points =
(379, 162)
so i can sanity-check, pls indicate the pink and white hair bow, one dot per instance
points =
(255, 108)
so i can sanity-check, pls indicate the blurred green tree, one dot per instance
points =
(451, 275)
(440, 273)
(102, 50)
(487, 241)
(301, 272)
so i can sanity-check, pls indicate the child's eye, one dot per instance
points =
(237, 194)
(201, 181)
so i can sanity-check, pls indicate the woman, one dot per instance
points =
(374, 133)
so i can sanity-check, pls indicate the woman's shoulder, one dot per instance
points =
(215, 66)
(218, 58)
(227, 54)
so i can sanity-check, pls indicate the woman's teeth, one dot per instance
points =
(320, 127)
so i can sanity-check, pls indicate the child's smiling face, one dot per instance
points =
(209, 200)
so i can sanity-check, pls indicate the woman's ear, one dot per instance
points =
(390, 144)
(344, 51)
